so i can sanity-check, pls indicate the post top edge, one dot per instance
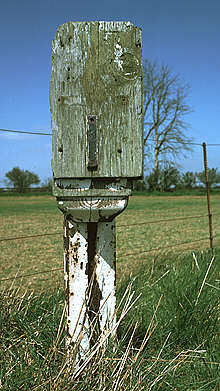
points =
(102, 23)
(99, 21)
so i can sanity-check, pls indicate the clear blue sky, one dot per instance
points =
(185, 35)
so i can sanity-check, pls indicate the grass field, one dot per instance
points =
(170, 338)
(156, 228)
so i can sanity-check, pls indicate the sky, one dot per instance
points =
(184, 35)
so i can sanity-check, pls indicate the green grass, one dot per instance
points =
(27, 205)
(169, 339)
(29, 193)
(149, 223)
(178, 192)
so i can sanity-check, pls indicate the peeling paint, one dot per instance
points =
(76, 286)
(118, 54)
(97, 121)
(106, 274)
(89, 275)
(93, 209)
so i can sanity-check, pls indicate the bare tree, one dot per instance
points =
(165, 108)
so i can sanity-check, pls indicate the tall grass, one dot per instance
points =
(168, 334)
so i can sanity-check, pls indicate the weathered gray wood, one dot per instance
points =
(97, 124)
(97, 71)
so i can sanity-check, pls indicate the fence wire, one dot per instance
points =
(15, 277)
(44, 133)
(26, 132)
(163, 248)
(30, 236)
(41, 133)
(118, 226)
(30, 274)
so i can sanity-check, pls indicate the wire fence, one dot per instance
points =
(209, 215)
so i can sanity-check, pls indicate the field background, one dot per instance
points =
(169, 339)
(142, 237)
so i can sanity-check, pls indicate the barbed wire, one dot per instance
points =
(15, 277)
(118, 226)
(30, 274)
(176, 142)
(187, 143)
(30, 236)
(161, 221)
(42, 133)
(164, 248)
(26, 132)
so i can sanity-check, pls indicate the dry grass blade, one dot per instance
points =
(123, 360)
(160, 278)
(61, 326)
(195, 259)
(203, 283)
(147, 334)
(177, 360)
(104, 337)
(160, 352)
(212, 286)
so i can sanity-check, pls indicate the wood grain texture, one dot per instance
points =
(97, 71)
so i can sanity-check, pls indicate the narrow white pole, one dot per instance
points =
(106, 273)
(89, 274)
(76, 287)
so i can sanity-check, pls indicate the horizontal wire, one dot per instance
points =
(164, 248)
(50, 134)
(30, 274)
(25, 188)
(118, 226)
(172, 231)
(120, 256)
(188, 143)
(30, 236)
(162, 221)
(25, 132)
(176, 142)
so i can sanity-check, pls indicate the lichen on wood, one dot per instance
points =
(97, 71)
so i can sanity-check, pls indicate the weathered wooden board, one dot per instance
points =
(97, 73)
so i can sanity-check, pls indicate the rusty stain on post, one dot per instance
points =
(95, 292)
(76, 287)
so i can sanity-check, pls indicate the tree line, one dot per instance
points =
(169, 178)
(166, 178)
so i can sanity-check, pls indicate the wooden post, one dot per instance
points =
(97, 124)
(208, 196)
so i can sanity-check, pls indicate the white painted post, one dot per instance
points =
(97, 124)
(89, 274)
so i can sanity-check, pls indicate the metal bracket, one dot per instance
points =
(92, 163)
